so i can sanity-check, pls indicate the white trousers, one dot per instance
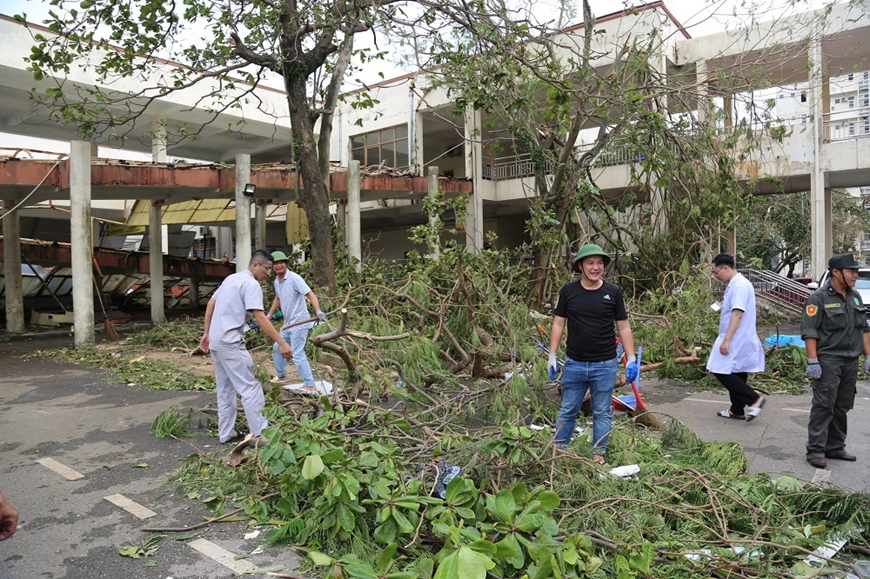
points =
(234, 374)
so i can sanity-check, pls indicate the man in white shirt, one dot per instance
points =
(226, 315)
(291, 291)
(737, 349)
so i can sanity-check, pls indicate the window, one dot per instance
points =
(804, 120)
(836, 101)
(387, 146)
(865, 102)
(779, 96)
(851, 102)
(851, 129)
(851, 76)
(792, 95)
(866, 74)
(866, 122)
(803, 96)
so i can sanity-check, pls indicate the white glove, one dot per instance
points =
(321, 316)
(553, 366)
(814, 370)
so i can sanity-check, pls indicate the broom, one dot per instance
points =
(110, 334)
(642, 415)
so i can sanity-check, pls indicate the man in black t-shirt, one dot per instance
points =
(591, 307)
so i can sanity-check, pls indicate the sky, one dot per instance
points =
(698, 17)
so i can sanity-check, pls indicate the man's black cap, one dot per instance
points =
(843, 261)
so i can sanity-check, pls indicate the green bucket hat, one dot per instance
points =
(589, 250)
(279, 256)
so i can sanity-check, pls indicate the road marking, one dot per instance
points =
(821, 476)
(130, 506)
(801, 410)
(699, 400)
(222, 556)
(60, 469)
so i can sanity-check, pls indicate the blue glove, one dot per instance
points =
(866, 364)
(321, 316)
(631, 370)
(814, 370)
(553, 366)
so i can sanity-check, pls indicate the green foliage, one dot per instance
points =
(172, 423)
(131, 367)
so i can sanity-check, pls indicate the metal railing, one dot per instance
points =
(519, 166)
(778, 292)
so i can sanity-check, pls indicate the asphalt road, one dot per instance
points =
(61, 414)
(67, 415)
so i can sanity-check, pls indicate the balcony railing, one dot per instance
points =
(519, 166)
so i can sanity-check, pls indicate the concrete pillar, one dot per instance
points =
(418, 159)
(12, 269)
(260, 219)
(223, 243)
(474, 169)
(703, 93)
(730, 236)
(435, 240)
(159, 140)
(820, 198)
(155, 260)
(243, 212)
(354, 241)
(81, 251)
(193, 294)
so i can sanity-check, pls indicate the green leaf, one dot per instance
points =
(549, 500)
(386, 558)
(505, 506)
(132, 551)
(386, 533)
(151, 563)
(509, 550)
(320, 559)
(464, 563)
(312, 467)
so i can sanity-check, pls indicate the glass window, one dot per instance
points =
(389, 146)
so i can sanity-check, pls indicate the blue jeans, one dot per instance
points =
(296, 337)
(577, 377)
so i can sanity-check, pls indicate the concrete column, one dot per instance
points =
(155, 260)
(820, 214)
(730, 236)
(81, 251)
(474, 169)
(703, 93)
(193, 294)
(243, 212)
(12, 269)
(435, 240)
(417, 138)
(354, 241)
(260, 219)
(159, 140)
(224, 243)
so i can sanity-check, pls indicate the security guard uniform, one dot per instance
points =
(838, 324)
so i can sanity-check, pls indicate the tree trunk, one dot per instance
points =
(314, 192)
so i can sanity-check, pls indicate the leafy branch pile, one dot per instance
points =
(355, 486)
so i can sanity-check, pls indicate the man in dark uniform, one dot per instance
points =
(591, 307)
(835, 330)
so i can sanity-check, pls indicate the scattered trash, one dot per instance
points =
(446, 472)
(538, 428)
(320, 387)
(708, 553)
(628, 471)
(784, 340)
(252, 535)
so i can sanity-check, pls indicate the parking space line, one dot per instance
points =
(130, 506)
(222, 556)
(60, 469)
